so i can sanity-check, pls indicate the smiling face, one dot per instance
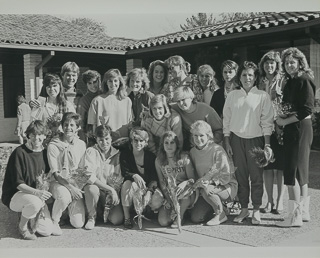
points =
(200, 139)
(69, 79)
(158, 111)
(228, 74)
(247, 79)
(205, 80)
(158, 74)
(138, 143)
(93, 85)
(113, 85)
(36, 140)
(169, 146)
(135, 84)
(70, 128)
(104, 143)
(291, 65)
(53, 90)
(270, 67)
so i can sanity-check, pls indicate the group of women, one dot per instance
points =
(181, 127)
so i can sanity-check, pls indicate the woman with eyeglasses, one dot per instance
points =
(179, 72)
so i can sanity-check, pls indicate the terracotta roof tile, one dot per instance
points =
(50, 31)
(271, 20)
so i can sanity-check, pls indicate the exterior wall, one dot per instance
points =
(133, 63)
(30, 62)
(7, 125)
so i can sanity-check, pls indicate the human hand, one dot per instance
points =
(139, 181)
(210, 189)
(16, 131)
(115, 197)
(76, 193)
(229, 150)
(167, 205)
(153, 185)
(42, 194)
(34, 103)
(181, 186)
(280, 121)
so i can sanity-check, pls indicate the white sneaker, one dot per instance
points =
(217, 219)
(90, 224)
(56, 230)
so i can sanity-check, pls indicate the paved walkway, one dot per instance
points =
(227, 240)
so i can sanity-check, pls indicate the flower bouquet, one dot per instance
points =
(262, 157)
(282, 110)
(42, 183)
(107, 207)
(171, 187)
(78, 177)
(141, 198)
(53, 124)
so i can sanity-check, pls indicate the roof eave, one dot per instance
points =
(232, 36)
(62, 49)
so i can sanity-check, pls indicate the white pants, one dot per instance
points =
(29, 205)
(63, 199)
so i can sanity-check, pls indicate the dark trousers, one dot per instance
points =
(247, 168)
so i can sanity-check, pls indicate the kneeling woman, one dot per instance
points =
(170, 160)
(138, 170)
(19, 190)
(216, 176)
(102, 164)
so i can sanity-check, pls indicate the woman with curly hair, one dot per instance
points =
(171, 162)
(179, 71)
(272, 82)
(247, 124)
(140, 95)
(207, 81)
(103, 107)
(299, 92)
(158, 76)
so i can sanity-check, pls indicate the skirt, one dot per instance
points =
(278, 154)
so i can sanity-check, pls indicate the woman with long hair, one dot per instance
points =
(299, 93)
(272, 82)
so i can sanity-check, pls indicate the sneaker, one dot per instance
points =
(256, 220)
(217, 219)
(56, 230)
(90, 224)
(26, 235)
(128, 224)
(174, 224)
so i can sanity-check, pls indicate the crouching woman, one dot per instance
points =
(19, 190)
(215, 173)
(105, 180)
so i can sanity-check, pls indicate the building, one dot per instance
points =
(31, 45)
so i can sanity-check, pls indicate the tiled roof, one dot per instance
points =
(43, 31)
(219, 30)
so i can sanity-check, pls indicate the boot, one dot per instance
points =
(305, 209)
(294, 217)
